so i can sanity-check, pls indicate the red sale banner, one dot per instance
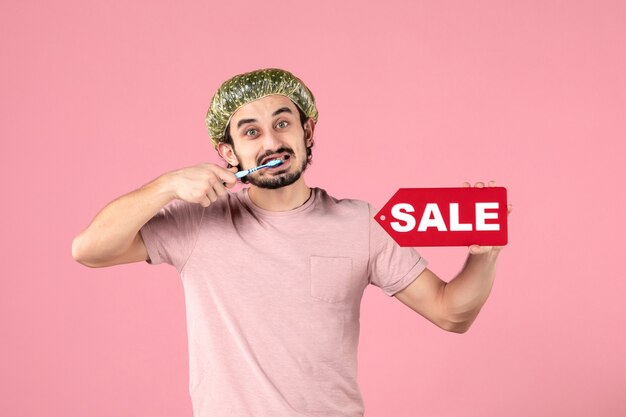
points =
(446, 216)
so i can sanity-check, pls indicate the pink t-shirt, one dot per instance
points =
(273, 299)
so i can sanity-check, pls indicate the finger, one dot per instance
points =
(227, 175)
(491, 184)
(466, 184)
(211, 194)
(230, 184)
(477, 249)
(509, 209)
(205, 202)
(219, 189)
(479, 184)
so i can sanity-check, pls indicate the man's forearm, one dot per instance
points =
(113, 229)
(465, 295)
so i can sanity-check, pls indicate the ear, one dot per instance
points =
(309, 128)
(227, 153)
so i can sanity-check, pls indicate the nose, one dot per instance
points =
(270, 141)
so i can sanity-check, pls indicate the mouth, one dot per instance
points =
(284, 156)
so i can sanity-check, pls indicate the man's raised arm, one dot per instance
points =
(113, 235)
(454, 306)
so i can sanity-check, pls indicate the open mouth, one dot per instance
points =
(284, 157)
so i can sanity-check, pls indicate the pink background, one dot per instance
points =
(99, 98)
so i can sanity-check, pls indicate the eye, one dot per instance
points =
(254, 131)
(282, 124)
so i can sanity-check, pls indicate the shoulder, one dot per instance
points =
(350, 206)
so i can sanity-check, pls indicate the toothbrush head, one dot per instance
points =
(274, 162)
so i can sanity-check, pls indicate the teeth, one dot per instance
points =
(283, 157)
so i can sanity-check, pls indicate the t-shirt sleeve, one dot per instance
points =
(391, 266)
(171, 234)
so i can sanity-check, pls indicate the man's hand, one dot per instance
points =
(477, 249)
(202, 183)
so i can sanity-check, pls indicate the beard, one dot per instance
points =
(279, 178)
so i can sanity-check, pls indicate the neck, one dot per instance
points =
(280, 199)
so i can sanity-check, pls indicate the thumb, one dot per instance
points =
(477, 249)
(229, 180)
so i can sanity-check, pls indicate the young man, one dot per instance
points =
(273, 274)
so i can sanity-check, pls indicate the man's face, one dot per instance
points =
(267, 129)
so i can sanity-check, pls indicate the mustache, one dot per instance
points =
(279, 150)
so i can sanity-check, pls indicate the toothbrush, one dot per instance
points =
(272, 163)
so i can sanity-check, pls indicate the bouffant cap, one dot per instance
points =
(250, 86)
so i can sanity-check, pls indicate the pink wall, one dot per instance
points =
(99, 98)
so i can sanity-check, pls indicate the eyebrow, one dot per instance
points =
(244, 121)
(277, 112)
(282, 110)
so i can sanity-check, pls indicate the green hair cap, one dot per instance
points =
(250, 86)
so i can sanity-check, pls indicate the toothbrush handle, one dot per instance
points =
(249, 171)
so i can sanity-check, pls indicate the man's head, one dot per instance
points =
(260, 115)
